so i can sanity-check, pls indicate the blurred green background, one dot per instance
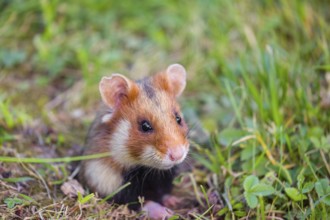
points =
(258, 89)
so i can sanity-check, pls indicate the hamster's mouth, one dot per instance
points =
(167, 166)
(159, 165)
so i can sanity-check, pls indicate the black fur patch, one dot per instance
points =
(148, 89)
(150, 183)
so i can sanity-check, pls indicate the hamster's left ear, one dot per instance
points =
(173, 79)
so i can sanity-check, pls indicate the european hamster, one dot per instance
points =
(141, 125)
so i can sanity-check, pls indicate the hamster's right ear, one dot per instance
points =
(116, 88)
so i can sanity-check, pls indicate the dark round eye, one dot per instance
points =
(178, 119)
(146, 126)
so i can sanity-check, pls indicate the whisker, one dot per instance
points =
(190, 128)
(188, 164)
(145, 176)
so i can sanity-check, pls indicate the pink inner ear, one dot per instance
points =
(177, 77)
(112, 89)
(120, 91)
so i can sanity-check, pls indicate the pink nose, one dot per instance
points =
(176, 154)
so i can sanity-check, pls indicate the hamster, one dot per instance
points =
(140, 124)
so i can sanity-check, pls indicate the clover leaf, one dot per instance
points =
(252, 189)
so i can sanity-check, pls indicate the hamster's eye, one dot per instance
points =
(146, 126)
(178, 119)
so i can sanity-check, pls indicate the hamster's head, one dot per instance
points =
(146, 127)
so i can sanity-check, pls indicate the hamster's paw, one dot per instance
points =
(171, 201)
(156, 211)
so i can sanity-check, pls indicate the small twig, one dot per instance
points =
(267, 151)
(243, 139)
(74, 173)
(196, 190)
(7, 186)
(42, 180)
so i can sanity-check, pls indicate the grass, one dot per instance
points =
(257, 96)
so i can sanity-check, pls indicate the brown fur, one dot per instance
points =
(151, 99)
(167, 132)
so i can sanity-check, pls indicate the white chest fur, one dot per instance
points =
(103, 178)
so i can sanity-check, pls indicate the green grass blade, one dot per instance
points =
(52, 160)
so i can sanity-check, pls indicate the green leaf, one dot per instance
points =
(251, 200)
(11, 202)
(326, 200)
(321, 187)
(307, 187)
(238, 206)
(229, 135)
(86, 198)
(174, 217)
(315, 141)
(222, 211)
(284, 172)
(240, 213)
(253, 188)
(17, 179)
(301, 180)
(323, 190)
(262, 190)
(27, 199)
(10, 58)
(79, 196)
(325, 143)
(207, 163)
(294, 194)
(228, 216)
(248, 152)
(321, 143)
(249, 182)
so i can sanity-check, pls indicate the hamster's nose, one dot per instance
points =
(176, 154)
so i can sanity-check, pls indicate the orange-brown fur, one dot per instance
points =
(136, 105)
(142, 106)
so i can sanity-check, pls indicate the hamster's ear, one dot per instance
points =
(177, 75)
(173, 79)
(116, 88)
